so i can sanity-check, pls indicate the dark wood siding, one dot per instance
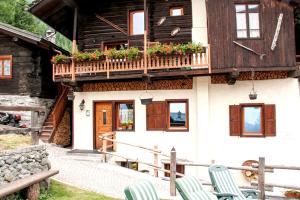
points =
(93, 32)
(31, 69)
(225, 55)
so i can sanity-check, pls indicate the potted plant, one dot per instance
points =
(293, 194)
(116, 54)
(130, 124)
(133, 53)
(61, 59)
(86, 56)
(124, 125)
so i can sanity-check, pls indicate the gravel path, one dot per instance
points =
(87, 172)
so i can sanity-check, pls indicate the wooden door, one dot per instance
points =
(103, 122)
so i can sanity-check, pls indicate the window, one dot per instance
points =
(5, 67)
(176, 11)
(136, 22)
(125, 116)
(247, 20)
(115, 45)
(177, 115)
(169, 115)
(252, 120)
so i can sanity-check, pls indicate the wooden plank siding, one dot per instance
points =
(93, 32)
(31, 69)
(226, 55)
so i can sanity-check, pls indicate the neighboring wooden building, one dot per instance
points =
(25, 63)
(200, 101)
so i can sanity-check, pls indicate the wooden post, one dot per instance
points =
(261, 178)
(145, 36)
(114, 143)
(155, 163)
(33, 192)
(74, 44)
(173, 172)
(104, 147)
(34, 124)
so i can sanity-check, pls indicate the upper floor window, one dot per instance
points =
(5, 67)
(176, 11)
(247, 21)
(136, 22)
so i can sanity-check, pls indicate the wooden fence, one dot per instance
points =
(261, 168)
(35, 112)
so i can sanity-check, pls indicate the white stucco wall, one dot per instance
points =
(208, 137)
(199, 30)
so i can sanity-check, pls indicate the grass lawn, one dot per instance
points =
(12, 141)
(64, 192)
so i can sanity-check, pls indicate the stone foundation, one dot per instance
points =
(18, 100)
(20, 163)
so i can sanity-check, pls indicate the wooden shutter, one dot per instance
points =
(270, 120)
(156, 116)
(235, 120)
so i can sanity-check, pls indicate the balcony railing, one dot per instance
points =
(75, 70)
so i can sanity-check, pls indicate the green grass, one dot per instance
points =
(12, 141)
(59, 191)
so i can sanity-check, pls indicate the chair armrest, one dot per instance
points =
(250, 193)
(225, 196)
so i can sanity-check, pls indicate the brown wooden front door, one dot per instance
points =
(103, 122)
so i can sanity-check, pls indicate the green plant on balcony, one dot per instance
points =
(61, 59)
(133, 53)
(172, 49)
(115, 54)
(88, 56)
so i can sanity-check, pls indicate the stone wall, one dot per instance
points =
(20, 163)
(19, 100)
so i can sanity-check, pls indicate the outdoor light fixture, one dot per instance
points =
(253, 94)
(70, 94)
(81, 105)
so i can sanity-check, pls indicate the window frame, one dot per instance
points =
(116, 114)
(170, 129)
(2, 58)
(181, 8)
(262, 120)
(247, 3)
(130, 21)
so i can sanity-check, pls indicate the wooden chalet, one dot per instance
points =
(25, 63)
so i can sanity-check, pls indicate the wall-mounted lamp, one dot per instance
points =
(70, 94)
(81, 105)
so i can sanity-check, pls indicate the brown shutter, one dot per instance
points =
(270, 120)
(156, 116)
(235, 120)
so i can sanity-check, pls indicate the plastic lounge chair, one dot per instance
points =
(190, 188)
(142, 190)
(223, 182)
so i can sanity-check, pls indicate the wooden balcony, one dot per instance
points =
(105, 69)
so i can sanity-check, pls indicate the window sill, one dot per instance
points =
(254, 135)
(177, 130)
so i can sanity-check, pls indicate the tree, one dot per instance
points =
(15, 13)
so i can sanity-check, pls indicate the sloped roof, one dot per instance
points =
(29, 37)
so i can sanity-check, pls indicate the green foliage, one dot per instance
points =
(58, 59)
(133, 53)
(171, 49)
(15, 13)
(115, 54)
(85, 56)
(45, 195)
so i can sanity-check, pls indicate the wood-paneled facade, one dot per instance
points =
(94, 33)
(31, 68)
(227, 56)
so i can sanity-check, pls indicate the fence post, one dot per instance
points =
(173, 172)
(155, 155)
(34, 126)
(261, 178)
(104, 148)
(114, 143)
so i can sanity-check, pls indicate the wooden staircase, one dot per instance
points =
(51, 123)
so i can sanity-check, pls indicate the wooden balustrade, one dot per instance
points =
(89, 68)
